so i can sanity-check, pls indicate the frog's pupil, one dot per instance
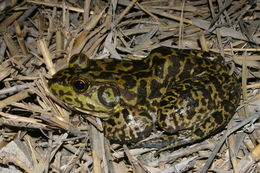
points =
(79, 85)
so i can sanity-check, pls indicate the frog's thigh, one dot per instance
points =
(192, 108)
(128, 126)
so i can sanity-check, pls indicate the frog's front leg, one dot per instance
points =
(128, 126)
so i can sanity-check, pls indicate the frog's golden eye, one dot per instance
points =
(80, 85)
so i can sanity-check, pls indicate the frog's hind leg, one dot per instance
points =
(196, 108)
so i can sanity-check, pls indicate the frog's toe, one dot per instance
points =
(169, 141)
(152, 143)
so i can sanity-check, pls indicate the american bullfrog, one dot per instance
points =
(188, 94)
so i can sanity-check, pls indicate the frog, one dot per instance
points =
(187, 94)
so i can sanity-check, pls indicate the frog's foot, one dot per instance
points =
(165, 142)
(128, 126)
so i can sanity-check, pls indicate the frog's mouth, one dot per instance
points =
(99, 114)
(109, 97)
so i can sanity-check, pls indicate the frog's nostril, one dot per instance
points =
(50, 82)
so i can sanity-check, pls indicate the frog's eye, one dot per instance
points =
(80, 85)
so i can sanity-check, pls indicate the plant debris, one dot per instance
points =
(39, 134)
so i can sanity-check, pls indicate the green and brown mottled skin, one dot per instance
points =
(187, 93)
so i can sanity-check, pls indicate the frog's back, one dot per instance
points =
(143, 82)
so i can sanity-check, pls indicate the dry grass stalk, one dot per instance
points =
(20, 37)
(80, 40)
(46, 55)
(51, 4)
(10, 44)
(8, 21)
(14, 98)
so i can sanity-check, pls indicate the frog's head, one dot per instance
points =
(81, 90)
